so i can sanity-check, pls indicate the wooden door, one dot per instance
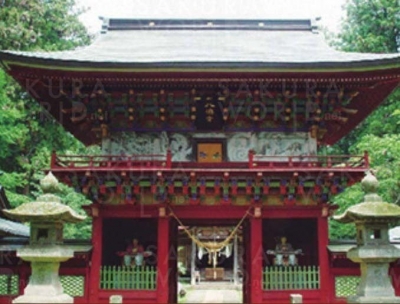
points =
(211, 152)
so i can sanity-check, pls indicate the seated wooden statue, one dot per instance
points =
(133, 255)
(284, 253)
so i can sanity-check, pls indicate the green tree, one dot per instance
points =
(41, 25)
(372, 26)
(28, 134)
(385, 159)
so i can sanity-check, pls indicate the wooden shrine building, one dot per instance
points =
(206, 123)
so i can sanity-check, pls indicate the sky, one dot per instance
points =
(330, 11)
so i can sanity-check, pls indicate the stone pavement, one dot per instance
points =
(212, 296)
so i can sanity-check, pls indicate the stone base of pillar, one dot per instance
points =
(63, 298)
(373, 300)
(296, 299)
(117, 299)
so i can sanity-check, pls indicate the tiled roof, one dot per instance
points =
(8, 227)
(269, 43)
(4, 203)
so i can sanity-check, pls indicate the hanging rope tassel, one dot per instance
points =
(211, 247)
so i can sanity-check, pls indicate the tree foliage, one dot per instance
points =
(28, 134)
(41, 25)
(372, 26)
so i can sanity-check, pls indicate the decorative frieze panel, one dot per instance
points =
(132, 143)
(276, 145)
(273, 144)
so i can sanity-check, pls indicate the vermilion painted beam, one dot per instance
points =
(211, 171)
(344, 77)
(127, 211)
(216, 212)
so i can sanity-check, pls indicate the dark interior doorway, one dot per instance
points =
(202, 264)
(300, 233)
(118, 233)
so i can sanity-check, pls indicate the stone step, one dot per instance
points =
(214, 285)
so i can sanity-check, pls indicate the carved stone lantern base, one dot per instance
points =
(44, 285)
(64, 298)
(375, 285)
(373, 300)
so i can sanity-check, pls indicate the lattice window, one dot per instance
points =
(73, 285)
(346, 285)
(9, 284)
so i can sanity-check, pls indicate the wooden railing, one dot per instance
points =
(161, 161)
(131, 278)
(291, 277)
(310, 161)
(111, 161)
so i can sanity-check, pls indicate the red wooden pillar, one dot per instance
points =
(97, 240)
(173, 262)
(331, 286)
(323, 240)
(87, 282)
(256, 255)
(23, 273)
(163, 260)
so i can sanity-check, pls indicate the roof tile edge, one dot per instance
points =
(117, 24)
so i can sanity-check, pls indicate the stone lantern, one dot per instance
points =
(373, 251)
(45, 251)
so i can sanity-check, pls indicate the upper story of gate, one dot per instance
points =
(185, 79)
(240, 101)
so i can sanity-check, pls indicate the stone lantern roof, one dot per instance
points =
(373, 209)
(47, 207)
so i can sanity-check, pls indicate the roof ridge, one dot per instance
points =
(113, 24)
